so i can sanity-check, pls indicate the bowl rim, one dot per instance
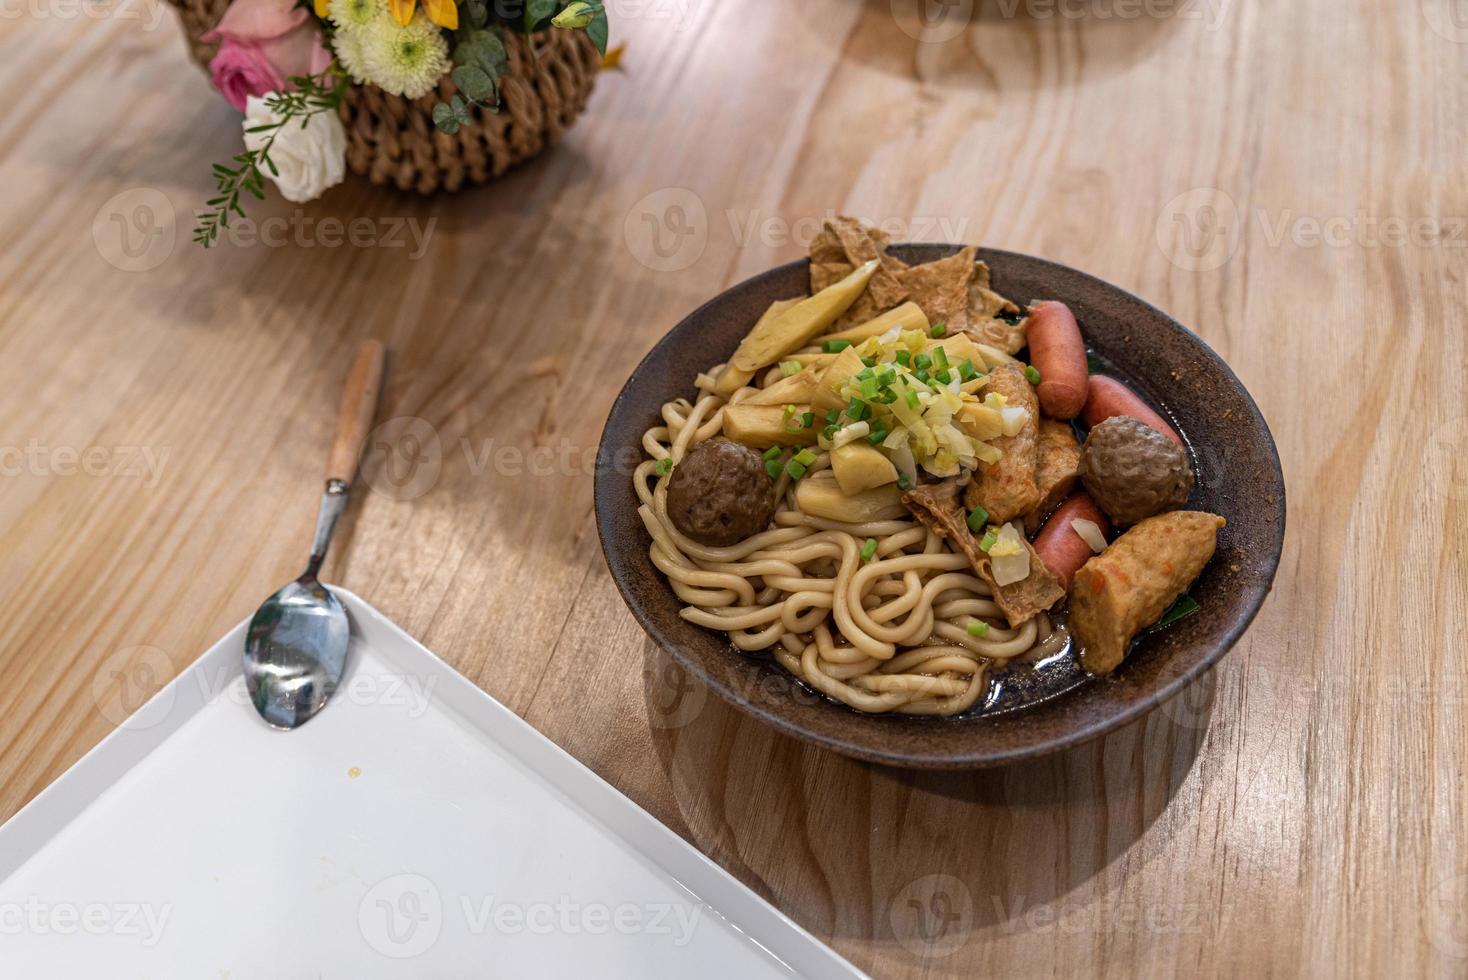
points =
(1253, 597)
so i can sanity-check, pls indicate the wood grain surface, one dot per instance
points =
(1285, 178)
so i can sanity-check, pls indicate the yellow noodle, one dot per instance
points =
(889, 634)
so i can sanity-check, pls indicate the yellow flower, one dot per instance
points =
(441, 12)
(323, 7)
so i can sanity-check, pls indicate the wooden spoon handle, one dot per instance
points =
(354, 417)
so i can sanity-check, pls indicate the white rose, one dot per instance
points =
(309, 158)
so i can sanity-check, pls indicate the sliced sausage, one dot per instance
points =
(1063, 550)
(1108, 398)
(1059, 354)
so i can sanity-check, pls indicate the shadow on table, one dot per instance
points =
(1006, 44)
(922, 861)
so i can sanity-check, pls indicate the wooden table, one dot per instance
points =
(1285, 178)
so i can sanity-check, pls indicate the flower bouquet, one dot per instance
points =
(422, 96)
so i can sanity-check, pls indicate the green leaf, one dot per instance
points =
(537, 11)
(445, 119)
(474, 82)
(597, 31)
(484, 50)
(1184, 607)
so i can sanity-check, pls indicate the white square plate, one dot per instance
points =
(416, 828)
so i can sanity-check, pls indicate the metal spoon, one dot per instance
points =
(296, 647)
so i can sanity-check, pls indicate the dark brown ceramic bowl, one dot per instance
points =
(1238, 476)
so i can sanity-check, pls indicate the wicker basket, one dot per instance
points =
(392, 140)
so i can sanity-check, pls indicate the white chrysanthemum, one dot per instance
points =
(405, 61)
(351, 16)
(351, 54)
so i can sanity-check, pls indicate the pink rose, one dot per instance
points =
(262, 43)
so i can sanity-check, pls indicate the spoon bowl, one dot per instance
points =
(295, 652)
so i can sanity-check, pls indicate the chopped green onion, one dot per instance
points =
(805, 457)
(878, 433)
(830, 432)
(903, 482)
(868, 550)
(863, 374)
(940, 328)
(988, 540)
(664, 466)
(977, 519)
(833, 415)
(966, 371)
(922, 362)
(943, 377)
(869, 361)
(772, 453)
(774, 468)
(795, 469)
(835, 346)
(921, 376)
(978, 628)
(1032, 374)
(912, 399)
(807, 420)
(887, 397)
(788, 368)
(903, 357)
(869, 388)
(858, 410)
(940, 358)
(886, 374)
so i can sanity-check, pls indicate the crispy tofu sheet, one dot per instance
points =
(955, 291)
(1131, 583)
(1009, 487)
(936, 506)
(1057, 470)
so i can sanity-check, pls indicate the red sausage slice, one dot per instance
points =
(1059, 354)
(1063, 550)
(1108, 397)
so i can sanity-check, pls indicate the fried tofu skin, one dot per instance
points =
(1057, 470)
(1007, 488)
(1131, 583)
(935, 505)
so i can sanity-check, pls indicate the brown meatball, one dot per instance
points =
(720, 493)
(1133, 471)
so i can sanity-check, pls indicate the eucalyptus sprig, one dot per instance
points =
(480, 58)
(313, 94)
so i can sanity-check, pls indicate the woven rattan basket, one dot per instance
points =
(392, 140)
